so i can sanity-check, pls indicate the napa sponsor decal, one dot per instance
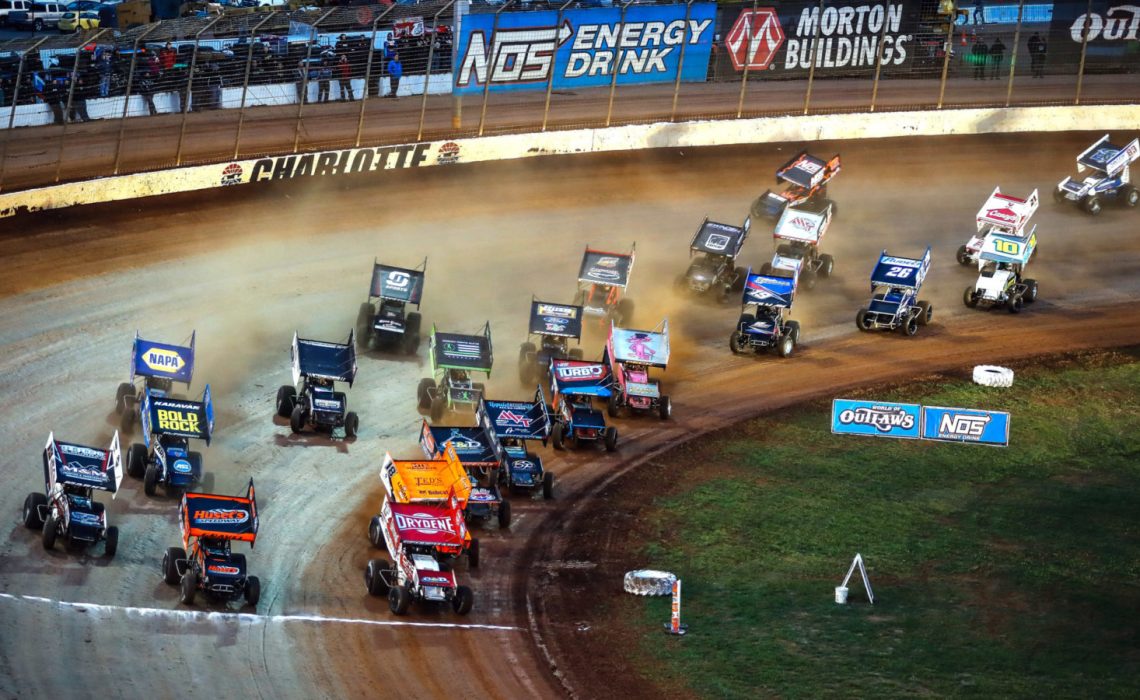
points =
(876, 418)
(221, 516)
(153, 359)
(584, 47)
(965, 425)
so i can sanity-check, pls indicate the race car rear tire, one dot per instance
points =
(1015, 304)
(188, 587)
(473, 553)
(438, 408)
(766, 269)
(504, 514)
(150, 480)
(786, 345)
(423, 393)
(613, 407)
(252, 591)
(863, 320)
(125, 389)
(297, 419)
(910, 326)
(577, 354)
(1092, 204)
(664, 408)
(969, 299)
(111, 542)
(286, 401)
(826, 265)
(1131, 196)
(127, 421)
(548, 485)
(737, 342)
(925, 313)
(32, 503)
(1030, 291)
(351, 424)
(364, 325)
(793, 329)
(412, 333)
(170, 564)
(374, 580)
(963, 256)
(463, 600)
(558, 437)
(1058, 195)
(610, 438)
(136, 460)
(49, 532)
(785, 250)
(399, 598)
(375, 533)
(738, 283)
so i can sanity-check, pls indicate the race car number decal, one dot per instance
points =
(1007, 247)
(900, 272)
(178, 421)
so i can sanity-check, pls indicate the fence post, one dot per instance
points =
(616, 65)
(1013, 54)
(71, 98)
(553, 61)
(946, 59)
(681, 59)
(752, 38)
(814, 56)
(12, 114)
(427, 73)
(189, 88)
(490, 65)
(245, 81)
(1084, 51)
(368, 73)
(127, 97)
(305, 81)
(879, 54)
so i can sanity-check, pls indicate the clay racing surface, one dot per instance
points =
(247, 268)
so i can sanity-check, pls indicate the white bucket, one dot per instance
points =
(841, 595)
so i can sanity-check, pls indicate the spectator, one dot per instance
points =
(302, 81)
(1037, 49)
(979, 12)
(980, 54)
(54, 95)
(344, 75)
(84, 89)
(997, 55)
(104, 66)
(395, 72)
(147, 88)
(167, 56)
(324, 76)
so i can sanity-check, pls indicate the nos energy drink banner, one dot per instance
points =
(1114, 35)
(519, 50)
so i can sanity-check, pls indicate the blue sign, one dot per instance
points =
(161, 360)
(877, 418)
(965, 425)
(583, 48)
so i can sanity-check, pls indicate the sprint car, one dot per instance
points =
(515, 422)
(801, 229)
(713, 252)
(453, 358)
(205, 562)
(164, 457)
(414, 535)
(442, 483)
(554, 326)
(602, 280)
(895, 284)
(155, 367)
(1110, 179)
(574, 420)
(317, 366)
(806, 177)
(67, 507)
(384, 317)
(630, 355)
(480, 453)
(1001, 264)
(1003, 214)
(762, 324)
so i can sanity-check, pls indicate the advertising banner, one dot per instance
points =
(965, 425)
(876, 418)
(1113, 29)
(583, 47)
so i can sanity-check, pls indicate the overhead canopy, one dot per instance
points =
(801, 224)
(640, 347)
(518, 419)
(324, 360)
(397, 283)
(473, 445)
(426, 524)
(189, 419)
(173, 362)
(600, 267)
(563, 320)
(1006, 249)
(1008, 212)
(458, 351)
(807, 171)
(577, 377)
(418, 481)
(224, 517)
(893, 271)
(720, 239)
(769, 290)
(1107, 158)
(86, 467)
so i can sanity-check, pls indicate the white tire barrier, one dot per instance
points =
(649, 582)
(990, 375)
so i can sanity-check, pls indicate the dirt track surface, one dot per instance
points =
(247, 268)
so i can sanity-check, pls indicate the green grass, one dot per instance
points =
(998, 572)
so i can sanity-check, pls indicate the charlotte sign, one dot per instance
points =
(583, 48)
(780, 39)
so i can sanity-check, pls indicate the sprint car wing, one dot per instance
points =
(799, 223)
(398, 283)
(424, 524)
(563, 320)
(807, 171)
(225, 517)
(1108, 158)
(893, 271)
(458, 351)
(190, 419)
(1009, 212)
(79, 465)
(1006, 249)
(641, 347)
(473, 445)
(600, 267)
(324, 360)
(418, 481)
(720, 239)
(769, 290)
(519, 419)
(576, 377)
(151, 359)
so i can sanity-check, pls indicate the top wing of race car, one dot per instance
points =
(1007, 212)
(324, 360)
(457, 351)
(564, 320)
(173, 362)
(519, 419)
(807, 171)
(224, 517)
(398, 283)
(190, 419)
(474, 445)
(78, 465)
(600, 267)
(806, 222)
(639, 347)
(1107, 158)
(720, 239)
(1001, 248)
(577, 377)
(419, 481)
(893, 271)
(424, 524)
(769, 290)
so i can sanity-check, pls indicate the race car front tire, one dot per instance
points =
(504, 514)
(664, 408)
(32, 504)
(125, 389)
(170, 564)
(738, 283)
(1030, 291)
(963, 256)
(252, 591)
(286, 400)
(793, 329)
(548, 485)
(127, 421)
(613, 407)
(1015, 304)
(189, 587)
(969, 299)
(297, 419)
(412, 333)
(473, 553)
(786, 345)
(1092, 204)
(1131, 196)
(49, 532)
(399, 598)
(925, 313)
(910, 326)
(862, 320)
(737, 342)
(364, 325)
(610, 438)
(374, 579)
(826, 265)
(558, 437)
(375, 534)
(423, 393)
(136, 460)
(150, 480)
(351, 424)
(111, 542)
(463, 600)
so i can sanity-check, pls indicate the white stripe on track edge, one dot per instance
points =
(244, 617)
